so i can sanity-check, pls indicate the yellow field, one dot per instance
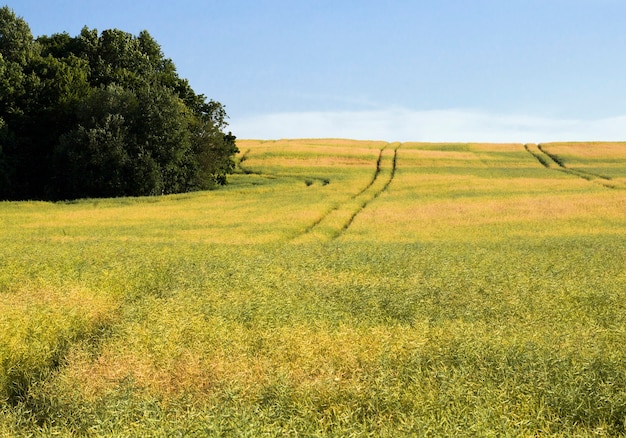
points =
(333, 288)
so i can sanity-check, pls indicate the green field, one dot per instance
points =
(333, 288)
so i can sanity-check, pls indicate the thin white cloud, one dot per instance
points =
(431, 126)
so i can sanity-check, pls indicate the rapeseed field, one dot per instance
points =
(333, 288)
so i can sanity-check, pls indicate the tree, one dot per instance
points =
(92, 159)
(16, 40)
(17, 49)
(102, 115)
(212, 149)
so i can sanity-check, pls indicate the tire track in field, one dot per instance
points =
(553, 161)
(247, 171)
(539, 156)
(394, 164)
(338, 219)
(376, 173)
(242, 168)
(338, 207)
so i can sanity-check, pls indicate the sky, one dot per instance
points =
(394, 70)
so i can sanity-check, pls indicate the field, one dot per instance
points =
(333, 288)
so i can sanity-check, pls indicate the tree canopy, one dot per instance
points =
(102, 115)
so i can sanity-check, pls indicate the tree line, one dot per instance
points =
(102, 115)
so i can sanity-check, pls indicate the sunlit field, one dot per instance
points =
(333, 288)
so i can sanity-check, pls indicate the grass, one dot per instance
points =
(330, 290)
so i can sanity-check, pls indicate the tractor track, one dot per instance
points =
(337, 220)
(539, 156)
(376, 173)
(376, 194)
(371, 182)
(308, 180)
(553, 161)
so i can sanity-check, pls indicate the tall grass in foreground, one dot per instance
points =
(478, 294)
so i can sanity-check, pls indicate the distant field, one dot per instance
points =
(333, 288)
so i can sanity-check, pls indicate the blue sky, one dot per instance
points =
(421, 70)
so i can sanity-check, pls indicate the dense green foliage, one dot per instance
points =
(101, 115)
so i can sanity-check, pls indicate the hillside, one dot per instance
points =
(333, 287)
